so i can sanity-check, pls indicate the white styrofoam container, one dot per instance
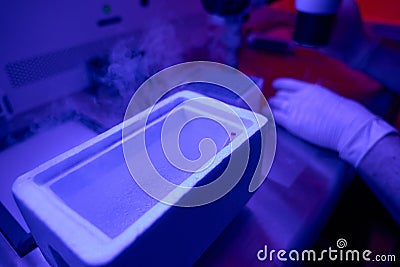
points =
(84, 208)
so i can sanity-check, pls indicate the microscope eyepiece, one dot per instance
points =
(315, 21)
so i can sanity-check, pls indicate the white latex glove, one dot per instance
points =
(326, 119)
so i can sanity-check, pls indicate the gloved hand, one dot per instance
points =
(326, 119)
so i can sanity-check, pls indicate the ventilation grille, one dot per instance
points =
(25, 71)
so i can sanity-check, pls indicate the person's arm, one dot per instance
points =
(359, 48)
(361, 138)
(380, 169)
(383, 64)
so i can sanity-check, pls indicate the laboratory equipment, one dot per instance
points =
(46, 45)
(84, 208)
(315, 20)
(225, 21)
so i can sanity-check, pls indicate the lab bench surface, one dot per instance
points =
(289, 210)
(293, 205)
